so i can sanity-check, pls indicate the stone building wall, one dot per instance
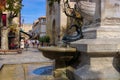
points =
(39, 27)
(56, 21)
(26, 28)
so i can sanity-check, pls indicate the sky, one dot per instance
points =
(32, 10)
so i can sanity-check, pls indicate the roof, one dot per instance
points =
(42, 17)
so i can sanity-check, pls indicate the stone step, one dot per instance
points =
(99, 46)
(99, 69)
(101, 32)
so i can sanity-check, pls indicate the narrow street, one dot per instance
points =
(22, 66)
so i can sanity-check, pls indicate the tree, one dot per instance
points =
(2, 7)
(12, 8)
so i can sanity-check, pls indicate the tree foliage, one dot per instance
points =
(14, 7)
(2, 5)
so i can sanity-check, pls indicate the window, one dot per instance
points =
(4, 19)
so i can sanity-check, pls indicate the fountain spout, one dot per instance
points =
(70, 38)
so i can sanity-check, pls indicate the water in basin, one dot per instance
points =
(46, 70)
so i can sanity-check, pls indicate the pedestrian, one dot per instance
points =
(26, 45)
(29, 42)
(12, 45)
(22, 44)
(37, 43)
(33, 43)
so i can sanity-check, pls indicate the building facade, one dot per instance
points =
(56, 21)
(39, 27)
(27, 29)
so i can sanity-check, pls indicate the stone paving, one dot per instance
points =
(21, 66)
(23, 72)
(29, 56)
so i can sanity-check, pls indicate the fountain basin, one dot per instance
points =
(58, 52)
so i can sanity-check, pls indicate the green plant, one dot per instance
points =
(47, 39)
(44, 39)
(13, 7)
(41, 39)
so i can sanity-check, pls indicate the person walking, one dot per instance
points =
(22, 44)
(37, 42)
(26, 44)
(33, 43)
(29, 42)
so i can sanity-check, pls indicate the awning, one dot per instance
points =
(26, 33)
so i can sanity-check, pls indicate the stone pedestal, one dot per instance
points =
(100, 68)
(100, 45)
(98, 59)
(98, 56)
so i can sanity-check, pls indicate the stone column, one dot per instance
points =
(97, 10)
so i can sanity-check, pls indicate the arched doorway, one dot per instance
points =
(53, 32)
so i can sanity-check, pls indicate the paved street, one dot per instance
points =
(22, 66)
(29, 56)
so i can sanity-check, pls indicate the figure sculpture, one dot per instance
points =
(82, 10)
(96, 49)
(73, 13)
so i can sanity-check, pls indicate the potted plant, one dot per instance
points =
(41, 40)
(45, 40)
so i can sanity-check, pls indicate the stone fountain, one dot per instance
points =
(100, 46)
(59, 54)
(63, 57)
(99, 49)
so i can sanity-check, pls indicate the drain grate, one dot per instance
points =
(47, 70)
